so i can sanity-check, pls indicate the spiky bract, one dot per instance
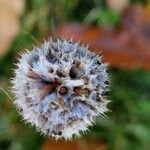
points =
(60, 87)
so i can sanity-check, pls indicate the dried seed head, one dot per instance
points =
(59, 87)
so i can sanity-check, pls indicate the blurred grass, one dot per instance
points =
(126, 127)
(128, 123)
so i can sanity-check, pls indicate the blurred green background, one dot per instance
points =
(127, 126)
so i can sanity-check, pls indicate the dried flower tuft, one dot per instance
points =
(61, 87)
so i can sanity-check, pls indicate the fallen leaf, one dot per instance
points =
(90, 144)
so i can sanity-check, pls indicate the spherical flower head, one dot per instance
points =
(60, 87)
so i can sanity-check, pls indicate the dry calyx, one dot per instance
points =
(61, 87)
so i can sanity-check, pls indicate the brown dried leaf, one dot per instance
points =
(75, 145)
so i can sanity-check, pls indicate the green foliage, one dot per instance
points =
(143, 2)
(103, 17)
(128, 123)
(126, 127)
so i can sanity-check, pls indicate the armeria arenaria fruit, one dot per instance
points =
(60, 87)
